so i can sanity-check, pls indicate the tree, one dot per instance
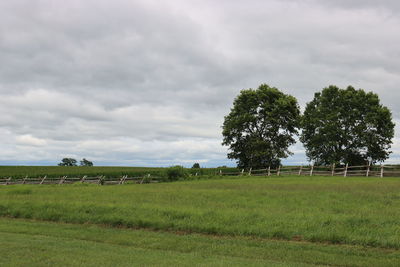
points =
(346, 126)
(260, 126)
(85, 162)
(196, 166)
(68, 162)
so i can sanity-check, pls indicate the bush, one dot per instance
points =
(196, 166)
(175, 173)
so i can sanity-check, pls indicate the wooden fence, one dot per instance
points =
(345, 171)
(311, 170)
(101, 180)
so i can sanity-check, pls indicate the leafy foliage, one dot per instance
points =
(85, 162)
(260, 127)
(346, 126)
(68, 162)
(196, 165)
(176, 173)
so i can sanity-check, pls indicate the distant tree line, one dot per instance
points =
(338, 126)
(74, 162)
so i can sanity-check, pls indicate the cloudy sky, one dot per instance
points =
(147, 83)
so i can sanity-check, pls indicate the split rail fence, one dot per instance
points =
(101, 180)
(345, 171)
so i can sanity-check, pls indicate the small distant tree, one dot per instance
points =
(68, 162)
(196, 166)
(85, 162)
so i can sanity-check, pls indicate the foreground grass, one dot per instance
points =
(357, 211)
(31, 243)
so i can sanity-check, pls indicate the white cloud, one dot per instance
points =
(29, 140)
(147, 83)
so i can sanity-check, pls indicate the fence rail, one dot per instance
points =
(345, 171)
(311, 170)
(101, 180)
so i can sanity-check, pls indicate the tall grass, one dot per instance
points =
(56, 171)
(362, 211)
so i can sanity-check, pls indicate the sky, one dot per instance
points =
(148, 83)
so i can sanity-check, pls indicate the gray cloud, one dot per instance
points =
(147, 83)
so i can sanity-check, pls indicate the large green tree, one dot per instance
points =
(260, 127)
(346, 126)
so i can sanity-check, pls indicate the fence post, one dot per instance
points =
(220, 172)
(148, 176)
(44, 178)
(250, 171)
(83, 179)
(382, 170)
(26, 177)
(345, 170)
(123, 179)
(8, 180)
(279, 171)
(242, 172)
(333, 169)
(301, 168)
(368, 168)
(312, 170)
(269, 170)
(99, 181)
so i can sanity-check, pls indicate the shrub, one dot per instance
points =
(175, 173)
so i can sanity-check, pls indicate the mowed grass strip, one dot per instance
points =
(358, 211)
(42, 243)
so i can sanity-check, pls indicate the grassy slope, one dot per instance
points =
(361, 211)
(33, 243)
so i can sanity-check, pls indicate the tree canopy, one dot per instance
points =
(68, 162)
(73, 162)
(260, 127)
(85, 162)
(346, 126)
(196, 165)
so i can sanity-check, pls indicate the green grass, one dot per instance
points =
(356, 211)
(32, 243)
(57, 171)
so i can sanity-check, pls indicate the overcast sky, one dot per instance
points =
(148, 83)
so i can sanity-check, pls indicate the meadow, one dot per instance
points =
(74, 171)
(278, 221)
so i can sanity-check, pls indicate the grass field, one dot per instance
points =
(282, 221)
(57, 171)
(32, 243)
